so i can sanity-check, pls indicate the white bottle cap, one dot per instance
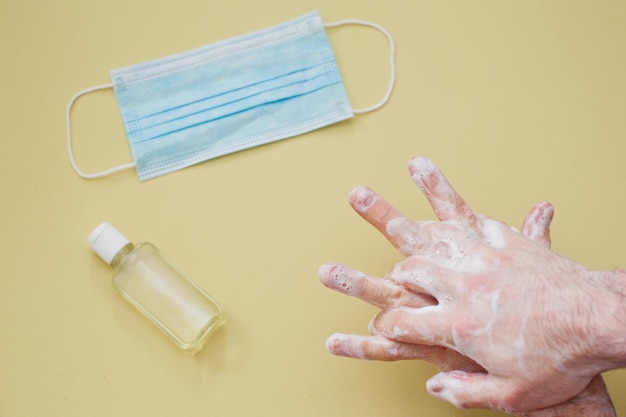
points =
(106, 241)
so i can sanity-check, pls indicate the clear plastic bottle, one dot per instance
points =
(160, 290)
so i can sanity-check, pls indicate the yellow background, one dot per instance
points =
(517, 102)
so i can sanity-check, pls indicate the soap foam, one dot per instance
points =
(339, 277)
(493, 234)
(404, 229)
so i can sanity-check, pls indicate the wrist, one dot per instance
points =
(608, 327)
(593, 401)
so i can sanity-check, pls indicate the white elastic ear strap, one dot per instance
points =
(392, 63)
(69, 137)
(104, 173)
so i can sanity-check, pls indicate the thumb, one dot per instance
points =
(475, 390)
(536, 226)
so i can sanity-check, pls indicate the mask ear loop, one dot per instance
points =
(391, 59)
(69, 138)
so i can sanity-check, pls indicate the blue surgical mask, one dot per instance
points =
(228, 96)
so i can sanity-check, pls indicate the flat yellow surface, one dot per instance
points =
(517, 102)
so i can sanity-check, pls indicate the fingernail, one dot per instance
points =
(434, 387)
(420, 167)
(361, 198)
(341, 344)
(324, 269)
(377, 325)
(334, 343)
(371, 327)
(547, 213)
(443, 386)
(389, 324)
(337, 277)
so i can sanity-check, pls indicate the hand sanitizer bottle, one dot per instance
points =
(161, 291)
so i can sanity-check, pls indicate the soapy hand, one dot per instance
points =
(593, 401)
(470, 298)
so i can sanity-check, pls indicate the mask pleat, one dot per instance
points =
(215, 107)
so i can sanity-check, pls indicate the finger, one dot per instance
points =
(401, 231)
(380, 348)
(421, 326)
(378, 292)
(428, 274)
(536, 226)
(482, 390)
(473, 390)
(445, 201)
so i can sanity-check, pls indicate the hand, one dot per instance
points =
(593, 401)
(459, 289)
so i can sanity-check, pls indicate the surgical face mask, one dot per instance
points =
(228, 96)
